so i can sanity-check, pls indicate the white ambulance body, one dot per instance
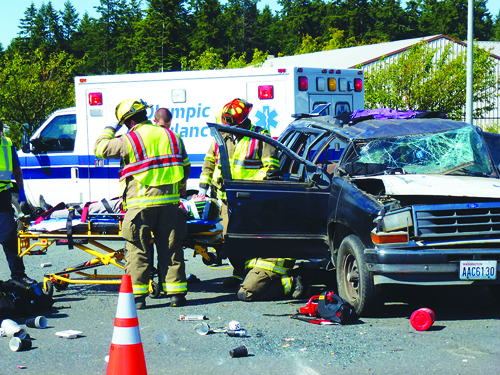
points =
(58, 162)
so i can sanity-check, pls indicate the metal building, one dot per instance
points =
(366, 57)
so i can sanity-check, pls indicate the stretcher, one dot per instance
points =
(90, 236)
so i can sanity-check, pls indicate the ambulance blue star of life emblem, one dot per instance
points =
(267, 118)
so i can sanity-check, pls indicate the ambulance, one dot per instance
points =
(58, 160)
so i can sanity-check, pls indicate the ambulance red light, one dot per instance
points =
(331, 71)
(281, 70)
(83, 80)
(338, 71)
(358, 85)
(303, 84)
(323, 70)
(360, 72)
(300, 70)
(95, 98)
(266, 92)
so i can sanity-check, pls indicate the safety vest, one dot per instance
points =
(5, 164)
(245, 161)
(153, 163)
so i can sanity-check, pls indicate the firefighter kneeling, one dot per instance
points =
(269, 279)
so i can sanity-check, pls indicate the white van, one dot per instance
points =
(58, 161)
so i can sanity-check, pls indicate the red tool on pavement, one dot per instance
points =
(327, 308)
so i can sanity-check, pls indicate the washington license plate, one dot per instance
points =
(478, 269)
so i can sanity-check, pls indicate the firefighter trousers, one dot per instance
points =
(264, 285)
(168, 225)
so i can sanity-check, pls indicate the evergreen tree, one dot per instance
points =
(240, 21)
(69, 25)
(207, 29)
(495, 30)
(297, 19)
(160, 38)
(450, 17)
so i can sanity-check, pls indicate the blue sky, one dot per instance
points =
(13, 10)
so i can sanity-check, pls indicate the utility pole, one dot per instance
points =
(468, 92)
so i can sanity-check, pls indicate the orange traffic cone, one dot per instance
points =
(126, 356)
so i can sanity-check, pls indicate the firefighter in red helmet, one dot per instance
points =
(235, 113)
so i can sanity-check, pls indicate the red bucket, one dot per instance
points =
(422, 319)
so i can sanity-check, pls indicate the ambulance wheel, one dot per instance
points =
(48, 288)
(355, 283)
(61, 285)
(154, 289)
(212, 260)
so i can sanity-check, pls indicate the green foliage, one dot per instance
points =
(259, 58)
(430, 80)
(207, 60)
(32, 86)
(237, 62)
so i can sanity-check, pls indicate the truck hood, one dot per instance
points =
(439, 185)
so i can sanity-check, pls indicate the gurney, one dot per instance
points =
(89, 236)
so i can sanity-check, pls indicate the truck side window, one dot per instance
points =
(59, 135)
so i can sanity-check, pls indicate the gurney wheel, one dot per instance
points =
(212, 260)
(48, 288)
(61, 285)
(154, 289)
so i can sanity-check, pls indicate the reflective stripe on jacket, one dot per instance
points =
(6, 164)
(151, 162)
(278, 265)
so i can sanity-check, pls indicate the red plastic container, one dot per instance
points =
(422, 319)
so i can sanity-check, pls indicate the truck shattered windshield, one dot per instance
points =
(457, 151)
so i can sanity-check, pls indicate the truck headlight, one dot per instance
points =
(393, 227)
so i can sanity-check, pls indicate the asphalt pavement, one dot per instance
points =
(465, 338)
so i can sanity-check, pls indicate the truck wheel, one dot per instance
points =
(355, 282)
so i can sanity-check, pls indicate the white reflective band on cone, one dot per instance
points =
(126, 306)
(126, 336)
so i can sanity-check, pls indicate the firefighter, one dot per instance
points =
(9, 166)
(247, 157)
(154, 168)
(271, 278)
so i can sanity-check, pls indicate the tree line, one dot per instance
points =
(53, 46)
(174, 34)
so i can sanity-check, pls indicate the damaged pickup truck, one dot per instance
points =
(389, 201)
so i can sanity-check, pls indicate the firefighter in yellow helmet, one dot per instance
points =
(247, 157)
(154, 167)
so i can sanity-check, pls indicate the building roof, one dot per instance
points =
(493, 46)
(351, 57)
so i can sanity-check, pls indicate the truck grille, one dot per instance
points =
(467, 220)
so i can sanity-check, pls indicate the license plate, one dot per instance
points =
(478, 269)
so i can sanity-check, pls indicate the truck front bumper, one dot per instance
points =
(425, 267)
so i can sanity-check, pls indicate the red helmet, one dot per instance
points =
(235, 112)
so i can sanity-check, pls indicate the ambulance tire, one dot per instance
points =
(355, 283)
(17, 212)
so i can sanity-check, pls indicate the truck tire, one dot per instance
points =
(355, 282)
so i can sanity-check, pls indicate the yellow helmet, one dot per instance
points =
(128, 108)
